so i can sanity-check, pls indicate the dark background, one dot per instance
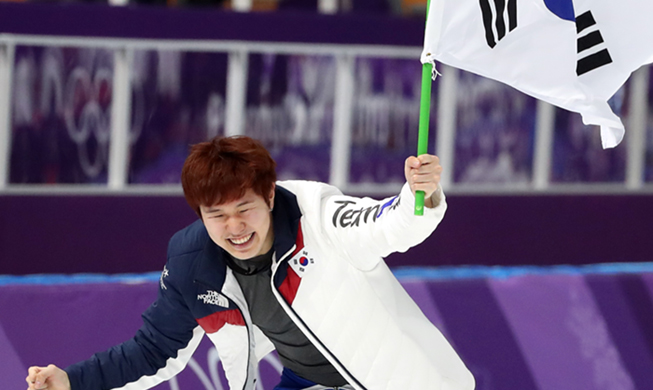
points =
(124, 234)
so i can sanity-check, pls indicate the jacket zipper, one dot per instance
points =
(307, 331)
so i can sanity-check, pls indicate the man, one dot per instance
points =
(294, 266)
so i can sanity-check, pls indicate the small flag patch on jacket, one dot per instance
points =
(301, 262)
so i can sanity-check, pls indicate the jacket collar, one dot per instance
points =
(285, 216)
(211, 267)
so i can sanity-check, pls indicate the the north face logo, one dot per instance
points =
(213, 298)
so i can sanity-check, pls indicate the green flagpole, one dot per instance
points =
(424, 115)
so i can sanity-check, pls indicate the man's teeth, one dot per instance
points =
(239, 241)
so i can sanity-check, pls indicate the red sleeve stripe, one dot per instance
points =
(214, 322)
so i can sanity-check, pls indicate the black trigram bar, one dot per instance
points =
(487, 22)
(593, 61)
(590, 40)
(498, 19)
(501, 24)
(584, 21)
(512, 14)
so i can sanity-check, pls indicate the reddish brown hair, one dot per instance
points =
(223, 169)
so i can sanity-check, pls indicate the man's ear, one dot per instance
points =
(271, 196)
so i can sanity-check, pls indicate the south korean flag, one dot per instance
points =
(301, 263)
(573, 54)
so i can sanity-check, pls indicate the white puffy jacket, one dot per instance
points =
(329, 276)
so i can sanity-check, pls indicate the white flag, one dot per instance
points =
(573, 54)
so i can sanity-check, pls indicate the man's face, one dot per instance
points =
(242, 227)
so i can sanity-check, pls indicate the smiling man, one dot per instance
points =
(241, 227)
(291, 266)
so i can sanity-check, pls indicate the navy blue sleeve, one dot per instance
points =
(168, 328)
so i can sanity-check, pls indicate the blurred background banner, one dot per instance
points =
(61, 107)
(495, 133)
(385, 118)
(290, 108)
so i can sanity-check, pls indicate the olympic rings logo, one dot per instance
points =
(87, 113)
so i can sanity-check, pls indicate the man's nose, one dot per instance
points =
(235, 225)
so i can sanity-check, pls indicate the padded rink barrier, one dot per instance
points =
(517, 328)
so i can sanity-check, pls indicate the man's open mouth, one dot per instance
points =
(242, 240)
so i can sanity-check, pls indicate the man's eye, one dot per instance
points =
(218, 216)
(244, 211)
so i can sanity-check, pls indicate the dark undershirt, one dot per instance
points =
(295, 350)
